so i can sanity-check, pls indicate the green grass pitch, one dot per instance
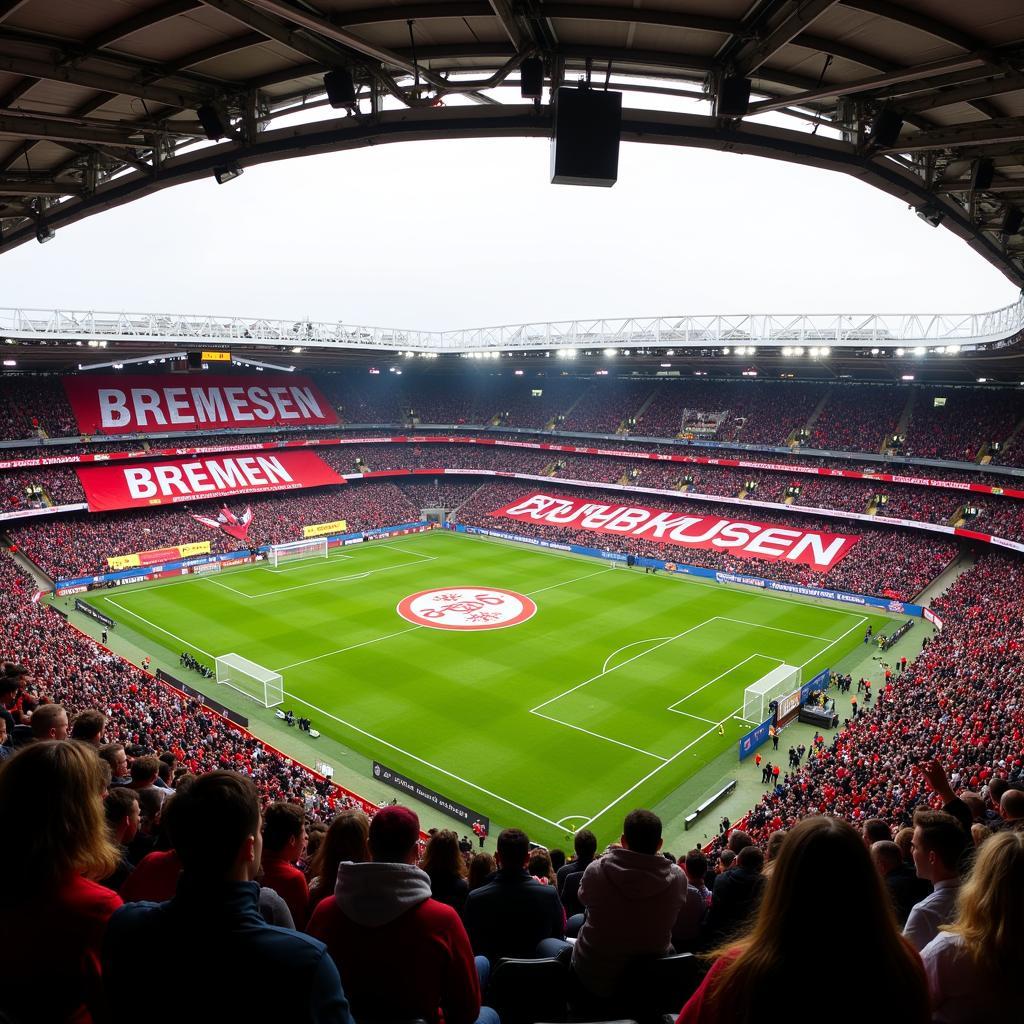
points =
(608, 698)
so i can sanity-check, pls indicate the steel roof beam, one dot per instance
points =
(58, 71)
(782, 29)
(977, 134)
(57, 130)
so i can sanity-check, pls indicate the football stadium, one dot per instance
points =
(620, 669)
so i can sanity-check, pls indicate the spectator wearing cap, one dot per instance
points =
(513, 912)
(284, 842)
(402, 954)
(215, 826)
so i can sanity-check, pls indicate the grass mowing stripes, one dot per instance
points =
(608, 698)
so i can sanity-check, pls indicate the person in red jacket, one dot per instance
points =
(284, 842)
(401, 954)
(54, 913)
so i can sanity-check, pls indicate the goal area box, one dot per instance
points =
(778, 683)
(250, 679)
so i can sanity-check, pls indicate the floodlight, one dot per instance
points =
(226, 172)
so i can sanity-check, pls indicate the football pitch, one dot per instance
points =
(545, 690)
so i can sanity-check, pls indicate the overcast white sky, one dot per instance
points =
(459, 234)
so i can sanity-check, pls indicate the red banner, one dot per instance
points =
(218, 476)
(115, 404)
(817, 550)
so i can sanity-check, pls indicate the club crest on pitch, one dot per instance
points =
(467, 608)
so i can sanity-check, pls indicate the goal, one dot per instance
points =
(250, 679)
(779, 683)
(315, 548)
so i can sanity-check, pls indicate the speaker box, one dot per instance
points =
(340, 88)
(982, 173)
(211, 121)
(194, 360)
(531, 78)
(1013, 220)
(886, 128)
(585, 145)
(733, 96)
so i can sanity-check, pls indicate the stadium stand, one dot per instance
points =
(968, 420)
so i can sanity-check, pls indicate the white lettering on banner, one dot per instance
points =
(207, 475)
(113, 408)
(820, 551)
(209, 404)
(147, 400)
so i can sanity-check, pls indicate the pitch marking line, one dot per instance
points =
(777, 629)
(597, 735)
(621, 664)
(860, 622)
(173, 636)
(225, 586)
(686, 714)
(572, 817)
(330, 558)
(739, 664)
(335, 579)
(387, 636)
(351, 647)
(654, 771)
(420, 760)
(625, 647)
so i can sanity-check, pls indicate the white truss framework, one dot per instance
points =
(837, 330)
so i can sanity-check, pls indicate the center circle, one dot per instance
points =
(467, 608)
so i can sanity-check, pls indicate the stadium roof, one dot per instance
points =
(104, 101)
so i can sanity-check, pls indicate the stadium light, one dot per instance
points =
(138, 359)
(919, 350)
(610, 352)
(226, 172)
(900, 352)
(875, 351)
(262, 366)
(787, 351)
(44, 233)
(907, 376)
(666, 366)
(798, 351)
(952, 350)
(519, 373)
(10, 362)
(981, 380)
(725, 351)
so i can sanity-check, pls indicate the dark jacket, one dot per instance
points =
(449, 889)
(570, 867)
(905, 889)
(736, 896)
(511, 914)
(242, 968)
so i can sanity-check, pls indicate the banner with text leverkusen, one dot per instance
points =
(814, 549)
(118, 404)
(171, 482)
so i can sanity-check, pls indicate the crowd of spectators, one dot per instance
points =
(79, 544)
(859, 417)
(968, 419)
(607, 404)
(447, 492)
(960, 702)
(886, 561)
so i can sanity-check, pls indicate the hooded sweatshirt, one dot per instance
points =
(632, 901)
(401, 954)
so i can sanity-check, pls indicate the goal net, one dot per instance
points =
(314, 548)
(255, 681)
(779, 683)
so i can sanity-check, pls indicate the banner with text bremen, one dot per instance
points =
(815, 549)
(175, 481)
(116, 404)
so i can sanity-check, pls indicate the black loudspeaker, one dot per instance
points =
(531, 78)
(212, 124)
(340, 88)
(886, 128)
(585, 145)
(1013, 219)
(194, 360)
(732, 97)
(982, 173)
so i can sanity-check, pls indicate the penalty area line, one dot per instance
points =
(420, 760)
(597, 735)
(173, 636)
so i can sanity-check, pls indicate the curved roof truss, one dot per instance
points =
(104, 101)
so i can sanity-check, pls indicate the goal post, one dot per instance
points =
(315, 547)
(250, 679)
(778, 683)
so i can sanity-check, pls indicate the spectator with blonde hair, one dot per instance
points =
(53, 912)
(974, 964)
(744, 979)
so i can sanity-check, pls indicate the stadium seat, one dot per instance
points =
(650, 989)
(527, 991)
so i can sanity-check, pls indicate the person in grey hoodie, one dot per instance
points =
(633, 896)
